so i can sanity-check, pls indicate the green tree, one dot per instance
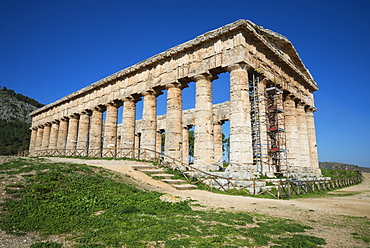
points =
(226, 146)
(163, 138)
(14, 137)
(191, 143)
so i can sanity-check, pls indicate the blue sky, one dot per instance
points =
(49, 49)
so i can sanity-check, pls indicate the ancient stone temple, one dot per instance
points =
(270, 111)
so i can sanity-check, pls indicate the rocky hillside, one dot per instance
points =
(16, 107)
(15, 121)
(341, 166)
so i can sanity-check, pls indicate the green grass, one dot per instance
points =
(362, 225)
(46, 245)
(99, 209)
(337, 174)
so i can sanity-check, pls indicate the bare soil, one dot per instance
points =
(336, 217)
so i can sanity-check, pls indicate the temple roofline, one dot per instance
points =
(261, 33)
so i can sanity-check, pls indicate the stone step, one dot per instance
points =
(153, 171)
(184, 186)
(164, 175)
(143, 167)
(174, 181)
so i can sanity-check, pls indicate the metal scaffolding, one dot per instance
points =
(255, 98)
(276, 127)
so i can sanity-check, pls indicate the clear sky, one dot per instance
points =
(49, 49)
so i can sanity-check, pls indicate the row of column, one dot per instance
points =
(84, 130)
(300, 132)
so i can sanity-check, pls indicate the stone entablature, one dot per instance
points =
(241, 49)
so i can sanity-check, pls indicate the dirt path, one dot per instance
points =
(335, 217)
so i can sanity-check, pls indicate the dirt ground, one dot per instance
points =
(336, 217)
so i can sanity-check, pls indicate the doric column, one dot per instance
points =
(39, 135)
(83, 132)
(110, 131)
(62, 135)
(46, 136)
(302, 135)
(54, 135)
(203, 143)
(310, 121)
(217, 139)
(137, 144)
(173, 139)
(118, 141)
(96, 129)
(291, 126)
(263, 128)
(241, 152)
(185, 145)
(33, 141)
(128, 125)
(158, 141)
(149, 122)
(72, 133)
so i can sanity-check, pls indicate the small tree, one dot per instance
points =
(163, 138)
(226, 146)
(191, 143)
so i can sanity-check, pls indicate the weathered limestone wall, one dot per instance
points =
(240, 48)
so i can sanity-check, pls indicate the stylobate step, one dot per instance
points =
(164, 175)
(143, 167)
(153, 171)
(184, 186)
(174, 181)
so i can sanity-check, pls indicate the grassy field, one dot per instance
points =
(93, 207)
(336, 174)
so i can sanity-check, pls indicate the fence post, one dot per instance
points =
(254, 187)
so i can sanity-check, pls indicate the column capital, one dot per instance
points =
(152, 92)
(55, 121)
(217, 122)
(100, 108)
(180, 85)
(86, 112)
(238, 66)
(264, 81)
(291, 97)
(74, 116)
(65, 118)
(301, 105)
(188, 127)
(311, 109)
(114, 103)
(40, 126)
(48, 124)
(205, 76)
(132, 98)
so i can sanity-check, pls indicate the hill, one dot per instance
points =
(15, 121)
(342, 166)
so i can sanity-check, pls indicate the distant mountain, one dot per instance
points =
(342, 166)
(15, 121)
